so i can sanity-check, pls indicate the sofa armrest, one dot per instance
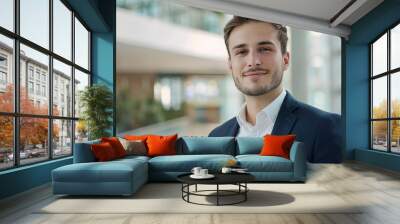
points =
(83, 152)
(298, 157)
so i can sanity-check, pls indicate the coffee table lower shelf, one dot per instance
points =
(241, 191)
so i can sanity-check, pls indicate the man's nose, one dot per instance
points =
(254, 60)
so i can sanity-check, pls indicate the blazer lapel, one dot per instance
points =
(286, 118)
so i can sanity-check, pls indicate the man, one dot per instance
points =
(257, 60)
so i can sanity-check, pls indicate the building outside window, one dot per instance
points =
(55, 136)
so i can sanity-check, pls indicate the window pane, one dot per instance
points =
(62, 89)
(33, 140)
(81, 81)
(35, 21)
(379, 55)
(6, 74)
(379, 100)
(62, 29)
(6, 142)
(34, 72)
(395, 136)
(81, 45)
(379, 135)
(395, 47)
(81, 131)
(395, 95)
(7, 14)
(62, 138)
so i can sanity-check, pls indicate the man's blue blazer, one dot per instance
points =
(320, 131)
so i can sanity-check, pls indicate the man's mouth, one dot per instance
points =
(254, 73)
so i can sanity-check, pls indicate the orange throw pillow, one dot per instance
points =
(116, 145)
(161, 145)
(277, 145)
(136, 137)
(103, 151)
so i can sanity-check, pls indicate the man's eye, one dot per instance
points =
(265, 49)
(240, 52)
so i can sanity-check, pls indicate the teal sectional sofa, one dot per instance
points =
(125, 176)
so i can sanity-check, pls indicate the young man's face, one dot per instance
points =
(256, 59)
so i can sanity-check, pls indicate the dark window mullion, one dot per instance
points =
(371, 137)
(50, 87)
(16, 83)
(389, 106)
(73, 82)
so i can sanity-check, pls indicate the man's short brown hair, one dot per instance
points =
(237, 21)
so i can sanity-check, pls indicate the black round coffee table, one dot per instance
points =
(238, 179)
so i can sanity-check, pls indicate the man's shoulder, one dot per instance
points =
(309, 112)
(228, 128)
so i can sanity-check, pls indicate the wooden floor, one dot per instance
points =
(378, 188)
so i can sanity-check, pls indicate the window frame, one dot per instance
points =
(16, 115)
(388, 74)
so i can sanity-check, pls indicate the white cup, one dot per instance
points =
(203, 172)
(226, 170)
(196, 170)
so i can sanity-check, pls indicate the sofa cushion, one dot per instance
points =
(112, 171)
(103, 151)
(116, 145)
(249, 145)
(185, 163)
(206, 145)
(159, 145)
(257, 163)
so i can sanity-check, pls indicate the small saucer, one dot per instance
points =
(208, 176)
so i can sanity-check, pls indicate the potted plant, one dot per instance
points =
(96, 102)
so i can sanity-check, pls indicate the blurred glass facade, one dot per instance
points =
(177, 14)
(159, 99)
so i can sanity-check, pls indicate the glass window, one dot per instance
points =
(395, 47)
(34, 21)
(81, 131)
(395, 95)
(81, 81)
(81, 45)
(33, 140)
(7, 14)
(62, 72)
(379, 135)
(379, 101)
(40, 62)
(62, 138)
(6, 142)
(6, 74)
(30, 87)
(62, 29)
(395, 136)
(379, 56)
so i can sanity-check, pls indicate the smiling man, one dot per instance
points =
(257, 59)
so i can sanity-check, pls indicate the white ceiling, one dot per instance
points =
(313, 15)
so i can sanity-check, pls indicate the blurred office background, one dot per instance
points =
(172, 74)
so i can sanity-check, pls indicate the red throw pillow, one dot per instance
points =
(277, 145)
(116, 145)
(136, 137)
(161, 145)
(103, 151)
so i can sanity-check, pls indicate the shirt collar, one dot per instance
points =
(270, 111)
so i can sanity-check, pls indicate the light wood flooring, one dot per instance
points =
(378, 188)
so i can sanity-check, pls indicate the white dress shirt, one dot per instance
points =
(265, 119)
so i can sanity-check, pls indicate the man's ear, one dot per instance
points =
(286, 60)
(230, 63)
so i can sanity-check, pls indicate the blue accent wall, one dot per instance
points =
(356, 84)
(100, 17)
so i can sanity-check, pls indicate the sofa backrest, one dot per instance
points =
(206, 145)
(249, 145)
(83, 152)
